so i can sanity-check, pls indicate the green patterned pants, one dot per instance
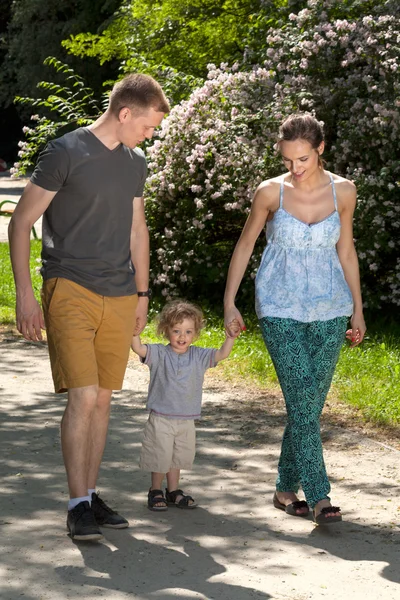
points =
(305, 357)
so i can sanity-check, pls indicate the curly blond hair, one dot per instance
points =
(175, 312)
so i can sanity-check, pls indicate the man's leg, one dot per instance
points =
(111, 346)
(105, 516)
(75, 322)
(98, 435)
(75, 441)
(76, 436)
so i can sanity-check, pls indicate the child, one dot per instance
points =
(174, 399)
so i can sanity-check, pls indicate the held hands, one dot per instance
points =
(141, 315)
(357, 331)
(234, 323)
(233, 329)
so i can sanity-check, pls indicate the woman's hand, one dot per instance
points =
(357, 331)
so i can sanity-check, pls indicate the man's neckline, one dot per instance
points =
(112, 150)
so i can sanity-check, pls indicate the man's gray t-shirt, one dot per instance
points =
(176, 380)
(87, 226)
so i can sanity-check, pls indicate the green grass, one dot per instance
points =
(7, 289)
(367, 377)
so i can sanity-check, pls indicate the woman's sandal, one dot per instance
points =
(292, 508)
(185, 502)
(155, 497)
(322, 519)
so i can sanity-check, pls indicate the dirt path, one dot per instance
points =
(236, 546)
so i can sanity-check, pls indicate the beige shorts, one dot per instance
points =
(88, 335)
(167, 444)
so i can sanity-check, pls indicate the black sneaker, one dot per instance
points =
(106, 516)
(82, 524)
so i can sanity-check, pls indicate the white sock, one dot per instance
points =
(90, 492)
(75, 501)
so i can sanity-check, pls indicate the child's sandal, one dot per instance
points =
(185, 502)
(155, 497)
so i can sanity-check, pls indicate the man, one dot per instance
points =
(88, 184)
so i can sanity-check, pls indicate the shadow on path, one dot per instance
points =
(235, 547)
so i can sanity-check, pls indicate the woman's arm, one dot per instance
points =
(264, 200)
(347, 198)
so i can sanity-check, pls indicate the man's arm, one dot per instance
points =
(30, 207)
(140, 254)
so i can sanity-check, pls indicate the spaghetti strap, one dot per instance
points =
(281, 195)
(333, 191)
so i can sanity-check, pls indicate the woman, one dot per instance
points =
(307, 286)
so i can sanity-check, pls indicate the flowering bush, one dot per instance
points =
(215, 148)
(213, 151)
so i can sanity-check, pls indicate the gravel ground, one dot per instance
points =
(235, 546)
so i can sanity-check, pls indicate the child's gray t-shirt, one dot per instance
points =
(176, 380)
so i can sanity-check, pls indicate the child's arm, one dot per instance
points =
(225, 350)
(138, 347)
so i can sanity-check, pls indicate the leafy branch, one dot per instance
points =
(65, 107)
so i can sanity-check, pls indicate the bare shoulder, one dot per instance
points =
(346, 192)
(267, 193)
(344, 186)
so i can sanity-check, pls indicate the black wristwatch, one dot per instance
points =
(146, 294)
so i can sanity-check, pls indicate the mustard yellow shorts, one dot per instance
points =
(88, 335)
(167, 444)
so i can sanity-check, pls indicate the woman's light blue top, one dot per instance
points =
(300, 276)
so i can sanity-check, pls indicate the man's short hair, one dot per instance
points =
(138, 92)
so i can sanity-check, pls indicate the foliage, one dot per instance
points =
(73, 104)
(368, 377)
(176, 85)
(35, 31)
(212, 153)
(215, 148)
(175, 33)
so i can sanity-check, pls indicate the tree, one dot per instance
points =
(176, 33)
(35, 31)
(31, 30)
(9, 121)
